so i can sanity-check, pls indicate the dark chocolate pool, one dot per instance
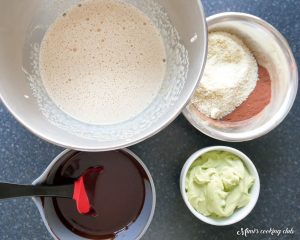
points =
(121, 195)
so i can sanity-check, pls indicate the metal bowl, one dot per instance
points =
(22, 27)
(271, 51)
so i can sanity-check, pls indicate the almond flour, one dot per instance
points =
(230, 75)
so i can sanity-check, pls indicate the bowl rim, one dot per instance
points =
(254, 192)
(287, 102)
(125, 142)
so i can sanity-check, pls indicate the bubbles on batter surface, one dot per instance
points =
(108, 61)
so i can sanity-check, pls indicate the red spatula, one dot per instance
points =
(76, 191)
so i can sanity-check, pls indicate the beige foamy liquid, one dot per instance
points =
(102, 62)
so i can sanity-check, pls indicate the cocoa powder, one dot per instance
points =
(257, 100)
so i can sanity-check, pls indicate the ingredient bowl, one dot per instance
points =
(272, 52)
(238, 214)
(22, 27)
(57, 225)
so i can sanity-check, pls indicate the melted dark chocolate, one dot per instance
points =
(118, 194)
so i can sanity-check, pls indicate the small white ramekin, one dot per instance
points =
(239, 214)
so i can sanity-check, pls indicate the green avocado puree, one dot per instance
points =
(217, 183)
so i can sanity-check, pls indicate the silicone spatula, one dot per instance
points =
(76, 191)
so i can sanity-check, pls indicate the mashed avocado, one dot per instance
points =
(217, 183)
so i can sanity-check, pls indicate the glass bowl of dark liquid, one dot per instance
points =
(122, 196)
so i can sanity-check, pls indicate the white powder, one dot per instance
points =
(230, 75)
(103, 61)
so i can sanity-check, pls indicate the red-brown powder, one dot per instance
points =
(257, 100)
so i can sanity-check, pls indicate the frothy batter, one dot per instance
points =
(102, 61)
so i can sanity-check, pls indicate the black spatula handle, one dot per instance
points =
(9, 190)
